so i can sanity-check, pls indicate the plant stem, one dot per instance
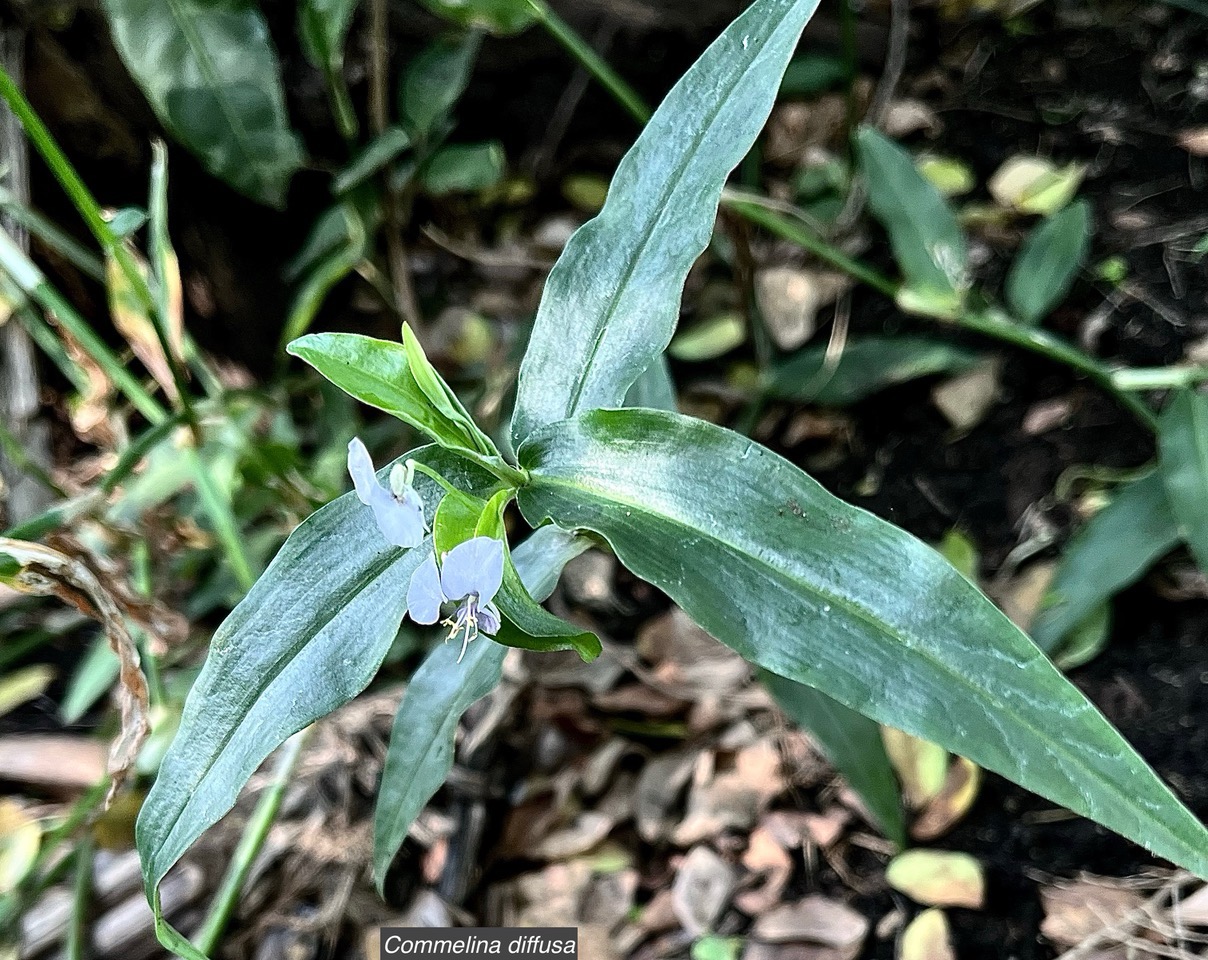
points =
(757, 210)
(582, 51)
(77, 932)
(254, 835)
(1160, 378)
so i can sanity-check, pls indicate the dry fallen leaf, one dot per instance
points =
(660, 784)
(948, 806)
(927, 938)
(769, 861)
(688, 663)
(46, 572)
(815, 919)
(938, 878)
(921, 766)
(1075, 911)
(701, 890)
(1035, 185)
(789, 299)
(1194, 141)
(1192, 911)
(1021, 597)
(965, 399)
(735, 798)
(586, 831)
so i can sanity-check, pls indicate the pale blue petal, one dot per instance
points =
(401, 523)
(475, 566)
(423, 595)
(488, 619)
(360, 468)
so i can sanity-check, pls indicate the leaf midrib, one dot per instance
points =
(860, 614)
(273, 673)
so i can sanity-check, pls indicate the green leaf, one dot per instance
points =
(527, 624)
(654, 389)
(500, 17)
(864, 367)
(380, 151)
(710, 338)
(1112, 551)
(1048, 262)
(927, 240)
(211, 74)
(822, 593)
(322, 27)
(382, 374)
(851, 742)
(1087, 640)
(92, 679)
(420, 755)
(1183, 459)
(465, 168)
(434, 81)
(308, 637)
(611, 303)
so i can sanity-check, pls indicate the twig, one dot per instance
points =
(891, 76)
(1123, 928)
(379, 81)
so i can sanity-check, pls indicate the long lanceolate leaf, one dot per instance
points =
(308, 637)
(612, 300)
(210, 72)
(815, 590)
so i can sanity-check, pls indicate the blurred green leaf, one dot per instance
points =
(1048, 262)
(811, 73)
(93, 678)
(709, 339)
(950, 177)
(1113, 550)
(1183, 463)
(851, 742)
(434, 81)
(323, 26)
(211, 74)
(1087, 640)
(959, 551)
(375, 155)
(927, 240)
(812, 589)
(500, 17)
(23, 685)
(865, 366)
(464, 168)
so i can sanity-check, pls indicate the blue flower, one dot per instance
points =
(470, 575)
(399, 512)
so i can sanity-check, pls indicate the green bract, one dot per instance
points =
(853, 619)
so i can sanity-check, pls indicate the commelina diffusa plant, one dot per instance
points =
(813, 591)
